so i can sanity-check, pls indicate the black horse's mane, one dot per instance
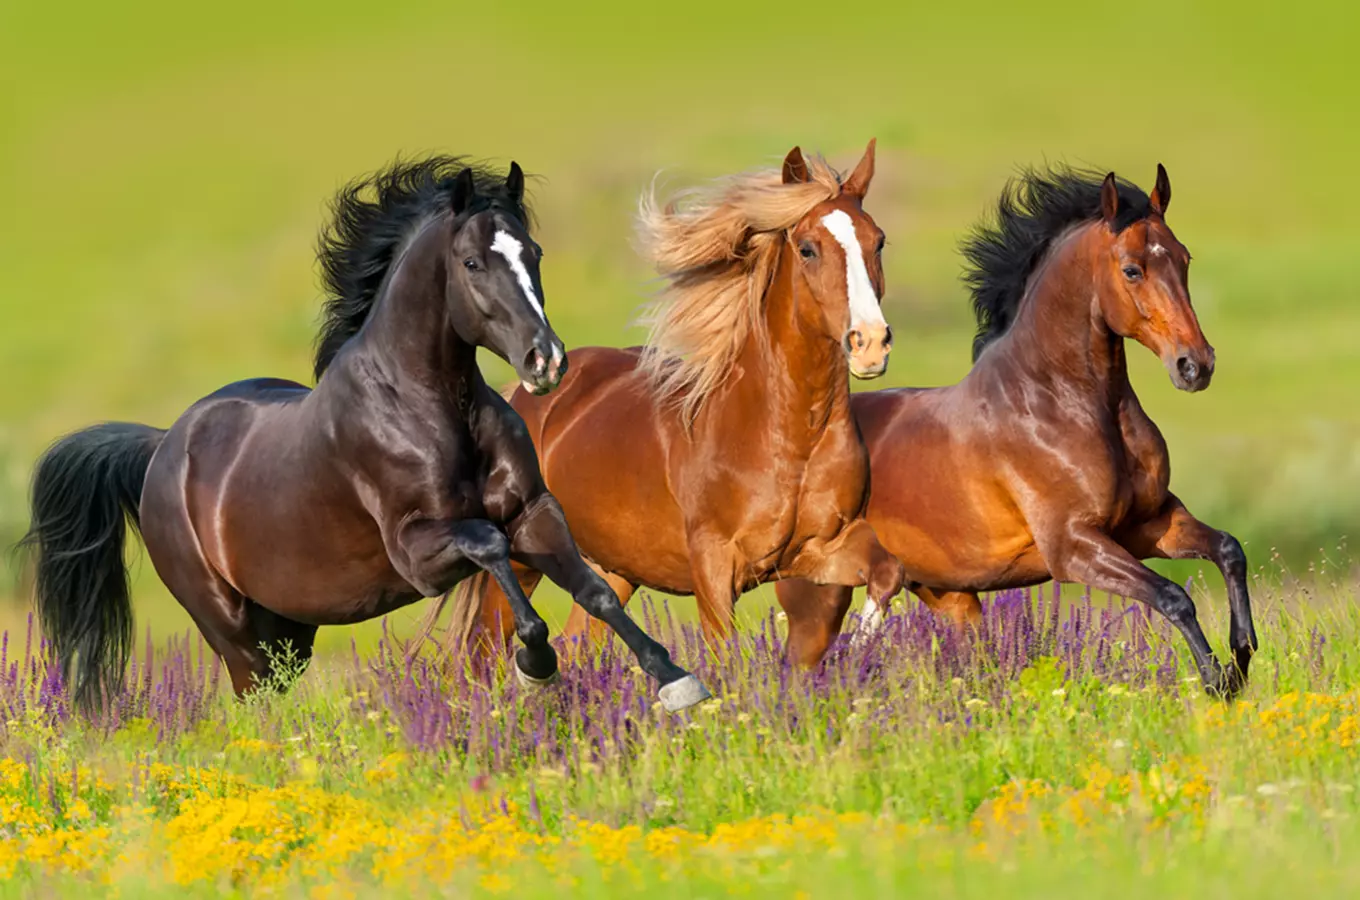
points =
(1002, 253)
(371, 218)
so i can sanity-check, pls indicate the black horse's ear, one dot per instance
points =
(1109, 200)
(1161, 192)
(463, 189)
(514, 185)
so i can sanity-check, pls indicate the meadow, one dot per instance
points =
(164, 170)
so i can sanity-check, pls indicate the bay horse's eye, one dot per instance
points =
(807, 251)
(470, 264)
(1133, 273)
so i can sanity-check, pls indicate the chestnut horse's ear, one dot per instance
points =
(857, 184)
(463, 189)
(1161, 192)
(514, 184)
(1109, 200)
(795, 167)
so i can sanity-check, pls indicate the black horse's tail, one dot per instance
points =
(85, 488)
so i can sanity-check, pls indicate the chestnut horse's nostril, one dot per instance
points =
(887, 337)
(853, 341)
(1188, 368)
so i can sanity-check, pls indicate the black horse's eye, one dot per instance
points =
(807, 251)
(470, 264)
(1133, 273)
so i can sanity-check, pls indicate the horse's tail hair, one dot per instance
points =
(85, 489)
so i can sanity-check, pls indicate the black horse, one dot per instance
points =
(269, 509)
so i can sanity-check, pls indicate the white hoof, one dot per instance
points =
(683, 693)
(531, 683)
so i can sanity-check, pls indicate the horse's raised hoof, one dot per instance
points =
(682, 693)
(531, 681)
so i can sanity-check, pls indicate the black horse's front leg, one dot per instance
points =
(438, 553)
(542, 540)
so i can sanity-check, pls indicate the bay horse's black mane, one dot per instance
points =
(1035, 208)
(372, 217)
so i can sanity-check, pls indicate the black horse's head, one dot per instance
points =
(495, 294)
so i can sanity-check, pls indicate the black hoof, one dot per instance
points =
(540, 667)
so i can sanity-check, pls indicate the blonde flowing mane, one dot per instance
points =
(716, 247)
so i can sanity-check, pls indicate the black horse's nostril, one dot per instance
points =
(1188, 368)
(536, 362)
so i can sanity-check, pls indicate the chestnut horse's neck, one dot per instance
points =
(1060, 335)
(409, 334)
(793, 377)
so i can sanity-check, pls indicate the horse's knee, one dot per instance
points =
(1174, 603)
(1230, 552)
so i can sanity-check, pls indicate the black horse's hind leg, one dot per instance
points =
(1175, 534)
(287, 645)
(543, 541)
(440, 553)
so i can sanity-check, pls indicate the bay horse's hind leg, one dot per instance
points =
(543, 542)
(1175, 534)
(284, 643)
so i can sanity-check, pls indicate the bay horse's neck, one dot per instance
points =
(408, 334)
(794, 377)
(1060, 335)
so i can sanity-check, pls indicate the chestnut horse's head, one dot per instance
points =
(839, 252)
(1143, 278)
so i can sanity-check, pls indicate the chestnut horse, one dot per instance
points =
(1041, 463)
(723, 454)
(268, 509)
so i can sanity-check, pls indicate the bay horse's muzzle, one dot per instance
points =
(867, 347)
(1192, 370)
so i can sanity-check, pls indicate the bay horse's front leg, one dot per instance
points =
(852, 558)
(435, 554)
(1175, 534)
(542, 541)
(1086, 556)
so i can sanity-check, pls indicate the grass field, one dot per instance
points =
(163, 172)
(1046, 754)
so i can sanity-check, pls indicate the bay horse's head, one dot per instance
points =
(1143, 281)
(839, 251)
(495, 294)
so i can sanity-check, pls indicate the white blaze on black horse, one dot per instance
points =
(270, 509)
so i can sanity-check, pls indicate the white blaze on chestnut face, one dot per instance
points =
(513, 251)
(864, 308)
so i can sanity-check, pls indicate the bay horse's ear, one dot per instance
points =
(1161, 192)
(795, 167)
(857, 185)
(1109, 200)
(514, 184)
(463, 189)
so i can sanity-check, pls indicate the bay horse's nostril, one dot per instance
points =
(1188, 368)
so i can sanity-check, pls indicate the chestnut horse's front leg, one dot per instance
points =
(1175, 534)
(852, 558)
(541, 540)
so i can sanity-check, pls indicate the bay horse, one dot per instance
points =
(269, 509)
(1041, 464)
(723, 454)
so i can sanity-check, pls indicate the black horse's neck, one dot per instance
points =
(409, 335)
(1060, 336)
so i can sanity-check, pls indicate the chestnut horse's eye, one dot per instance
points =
(471, 264)
(807, 251)
(1133, 273)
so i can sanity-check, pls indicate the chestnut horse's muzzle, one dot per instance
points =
(867, 347)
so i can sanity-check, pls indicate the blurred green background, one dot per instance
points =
(164, 170)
